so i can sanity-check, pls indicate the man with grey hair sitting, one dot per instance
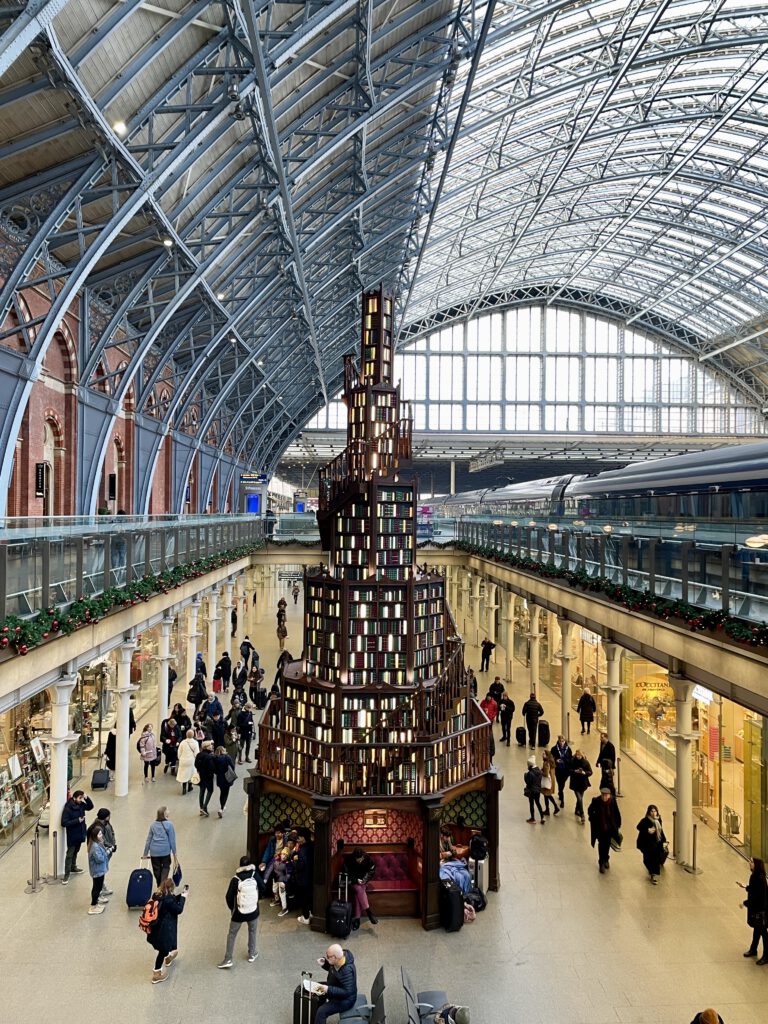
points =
(340, 991)
(450, 1014)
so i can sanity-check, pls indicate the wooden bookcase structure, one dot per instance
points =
(378, 708)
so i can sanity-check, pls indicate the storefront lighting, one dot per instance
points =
(514, 523)
(679, 527)
(607, 528)
(553, 527)
(579, 523)
(760, 540)
(531, 522)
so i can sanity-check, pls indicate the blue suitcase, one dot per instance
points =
(140, 885)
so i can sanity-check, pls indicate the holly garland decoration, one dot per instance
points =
(696, 619)
(24, 634)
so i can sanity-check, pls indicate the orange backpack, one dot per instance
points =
(149, 915)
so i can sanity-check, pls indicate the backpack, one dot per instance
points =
(247, 898)
(149, 915)
(244, 648)
(138, 745)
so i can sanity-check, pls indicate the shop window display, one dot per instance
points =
(24, 769)
(649, 717)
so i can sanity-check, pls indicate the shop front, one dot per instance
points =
(24, 768)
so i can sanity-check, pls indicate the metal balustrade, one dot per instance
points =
(58, 560)
(712, 576)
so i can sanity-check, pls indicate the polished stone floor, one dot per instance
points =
(558, 943)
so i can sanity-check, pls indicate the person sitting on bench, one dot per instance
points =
(360, 869)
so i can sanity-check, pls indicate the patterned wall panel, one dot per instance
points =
(469, 806)
(276, 808)
(401, 826)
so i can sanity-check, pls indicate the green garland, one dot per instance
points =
(24, 634)
(697, 619)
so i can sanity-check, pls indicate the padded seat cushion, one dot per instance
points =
(391, 872)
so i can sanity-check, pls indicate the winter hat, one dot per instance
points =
(605, 789)
(102, 814)
(531, 761)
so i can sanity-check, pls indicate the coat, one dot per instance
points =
(532, 780)
(607, 753)
(161, 839)
(188, 751)
(563, 757)
(506, 709)
(586, 707)
(204, 764)
(70, 820)
(247, 871)
(164, 936)
(98, 860)
(490, 707)
(532, 710)
(225, 666)
(110, 749)
(581, 769)
(147, 746)
(220, 765)
(595, 815)
(757, 898)
(651, 844)
(342, 982)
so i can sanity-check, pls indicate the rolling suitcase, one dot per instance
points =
(338, 916)
(451, 906)
(139, 890)
(543, 733)
(477, 870)
(100, 778)
(520, 735)
(304, 1003)
(261, 699)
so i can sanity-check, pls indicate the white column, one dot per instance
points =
(535, 638)
(683, 736)
(475, 596)
(61, 739)
(123, 691)
(229, 587)
(213, 619)
(453, 477)
(612, 690)
(193, 613)
(466, 602)
(163, 661)
(509, 615)
(222, 625)
(250, 617)
(490, 610)
(566, 636)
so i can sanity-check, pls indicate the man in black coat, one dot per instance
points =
(243, 901)
(506, 712)
(532, 712)
(224, 665)
(341, 988)
(73, 820)
(607, 752)
(486, 647)
(604, 825)
(562, 756)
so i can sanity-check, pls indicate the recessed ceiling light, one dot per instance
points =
(220, 296)
(120, 128)
(168, 243)
(260, 362)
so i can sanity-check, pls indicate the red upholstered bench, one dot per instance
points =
(395, 890)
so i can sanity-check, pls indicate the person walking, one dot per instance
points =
(296, 591)
(206, 771)
(340, 992)
(189, 748)
(170, 737)
(532, 780)
(147, 748)
(652, 842)
(73, 822)
(563, 757)
(281, 633)
(181, 718)
(586, 709)
(98, 866)
(532, 712)
(245, 733)
(490, 707)
(506, 714)
(233, 622)
(224, 666)
(581, 770)
(486, 649)
(200, 666)
(246, 649)
(243, 901)
(548, 781)
(757, 908)
(496, 689)
(163, 936)
(224, 769)
(708, 1016)
(607, 752)
(197, 693)
(604, 825)
(160, 846)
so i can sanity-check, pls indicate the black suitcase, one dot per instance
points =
(305, 1004)
(261, 699)
(140, 883)
(520, 735)
(451, 906)
(100, 778)
(338, 914)
(543, 733)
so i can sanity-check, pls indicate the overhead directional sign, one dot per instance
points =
(494, 457)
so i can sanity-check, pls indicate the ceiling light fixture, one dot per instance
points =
(168, 243)
(120, 128)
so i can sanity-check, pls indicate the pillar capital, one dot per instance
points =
(682, 687)
(166, 623)
(611, 650)
(62, 689)
(126, 649)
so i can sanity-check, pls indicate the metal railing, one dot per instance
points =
(55, 561)
(714, 577)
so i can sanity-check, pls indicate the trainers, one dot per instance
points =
(302, 920)
(275, 903)
(252, 957)
(224, 965)
(158, 976)
(77, 871)
(107, 892)
(103, 899)
(283, 912)
(98, 909)
(65, 880)
(220, 814)
(531, 821)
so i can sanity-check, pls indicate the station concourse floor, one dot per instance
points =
(558, 943)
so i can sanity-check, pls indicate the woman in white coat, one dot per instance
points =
(188, 751)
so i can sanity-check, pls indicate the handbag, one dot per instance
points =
(195, 780)
(177, 875)
(616, 843)
(230, 776)
(546, 782)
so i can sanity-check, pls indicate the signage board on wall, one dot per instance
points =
(486, 461)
